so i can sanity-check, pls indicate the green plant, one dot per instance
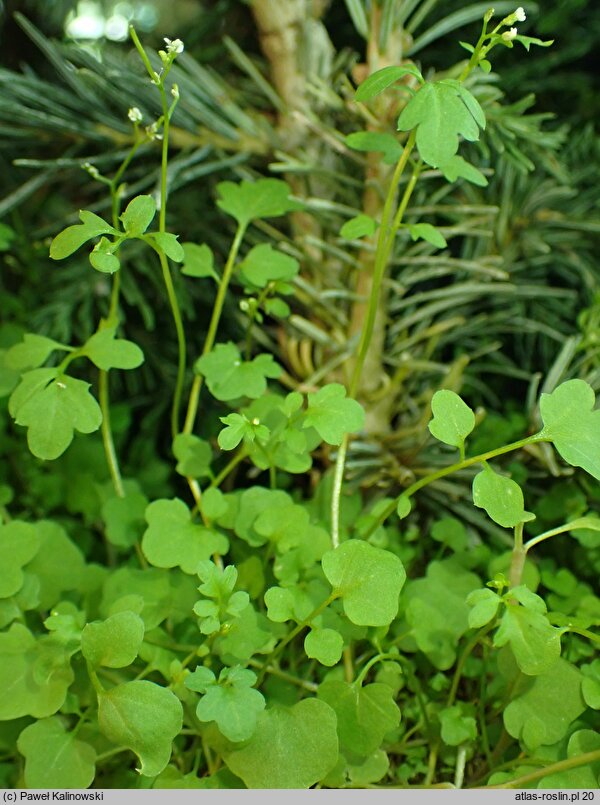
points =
(265, 634)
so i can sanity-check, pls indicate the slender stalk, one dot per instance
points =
(107, 437)
(518, 557)
(386, 236)
(181, 343)
(385, 240)
(194, 399)
(294, 633)
(460, 465)
(554, 768)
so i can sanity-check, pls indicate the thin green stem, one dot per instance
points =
(194, 399)
(460, 465)
(466, 653)
(385, 241)
(107, 437)
(518, 557)
(563, 765)
(336, 497)
(176, 313)
(386, 236)
(229, 467)
(294, 633)
(377, 658)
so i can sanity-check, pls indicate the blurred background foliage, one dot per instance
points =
(509, 309)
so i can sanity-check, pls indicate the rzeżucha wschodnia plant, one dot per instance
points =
(216, 660)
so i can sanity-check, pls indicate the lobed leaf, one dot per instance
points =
(194, 455)
(71, 238)
(429, 233)
(170, 245)
(457, 167)
(31, 352)
(264, 198)
(19, 543)
(367, 579)
(377, 142)
(292, 747)
(229, 377)
(138, 215)
(198, 261)
(54, 758)
(173, 540)
(364, 714)
(145, 718)
(114, 642)
(542, 713)
(53, 410)
(358, 227)
(264, 264)
(108, 352)
(332, 414)
(441, 111)
(572, 425)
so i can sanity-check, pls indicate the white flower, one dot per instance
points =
(174, 45)
(175, 91)
(508, 36)
(135, 115)
(520, 15)
(91, 169)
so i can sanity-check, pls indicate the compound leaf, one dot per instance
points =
(145, 718)
(367, 579)
(332, 414)
(572, 425)
(54, 758)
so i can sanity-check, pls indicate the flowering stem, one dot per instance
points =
(194, 400)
